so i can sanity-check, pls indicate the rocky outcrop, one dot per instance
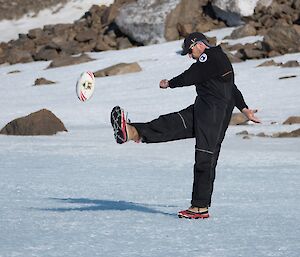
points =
(157, 21)
(95, 31)
(189, 16)
(118, 69)
(42, 122)
(278, 22)
(128, 23)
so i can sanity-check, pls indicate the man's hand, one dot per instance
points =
(250, 115)
(164, 84)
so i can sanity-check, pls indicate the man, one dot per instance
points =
(206, 120)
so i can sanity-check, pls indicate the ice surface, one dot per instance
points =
(80, 194)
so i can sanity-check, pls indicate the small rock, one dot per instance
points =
(261, 134)
(43, 81)
(246, 137)
(269, 63)
(69, 60)
(294, 133)
(118, 69)
(244, 132)
(290, 64)
(245, 31)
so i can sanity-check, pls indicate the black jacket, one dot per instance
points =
(212, 74)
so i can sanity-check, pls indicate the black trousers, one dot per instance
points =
(207, 121)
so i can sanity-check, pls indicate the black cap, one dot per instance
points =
(190, 40)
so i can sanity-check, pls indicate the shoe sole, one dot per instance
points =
(197, 217)
(118, 123)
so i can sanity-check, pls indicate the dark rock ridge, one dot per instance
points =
(42, 122)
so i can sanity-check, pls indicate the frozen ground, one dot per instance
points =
(80, 194)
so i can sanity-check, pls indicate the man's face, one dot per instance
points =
(197, 50)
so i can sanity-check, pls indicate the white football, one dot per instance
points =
(85, 86)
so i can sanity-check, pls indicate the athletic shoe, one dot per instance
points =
(118, 122)
(194, 213)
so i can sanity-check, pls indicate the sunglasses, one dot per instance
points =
(190, 50)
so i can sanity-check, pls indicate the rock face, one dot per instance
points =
(118, 69)
(144, 20)
(240, 7)
(156, 21)
(42, 122)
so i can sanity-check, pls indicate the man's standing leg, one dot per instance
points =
(210, 127)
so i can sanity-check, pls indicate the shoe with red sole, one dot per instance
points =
(194, 213)
(118, 122)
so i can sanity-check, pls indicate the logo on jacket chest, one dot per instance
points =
(203, 57)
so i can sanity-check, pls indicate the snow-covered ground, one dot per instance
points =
(80, 194)
(67, 13)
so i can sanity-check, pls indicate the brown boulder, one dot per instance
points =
(35, 33)
(188, 16)
(46, 54)
(248, 53)
(245, 31)
(238, 119)
(86, 35)
(118, 69)
(292, 120)
(42, 122)
(69, 60)
(123, 43)
(282, 39)
(101, 45)
(16, 56)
